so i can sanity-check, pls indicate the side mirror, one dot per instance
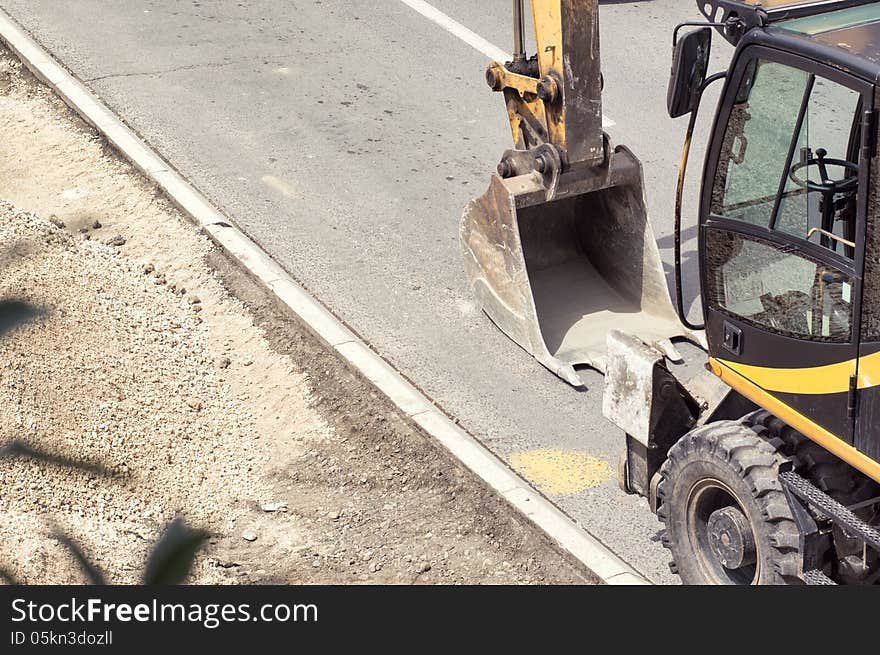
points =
(690, 61)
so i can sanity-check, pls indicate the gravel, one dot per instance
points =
(163, 381)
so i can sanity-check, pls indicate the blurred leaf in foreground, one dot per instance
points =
(7, 577)
(93, 573)
(18, 448)
(172, 557)
(14, 313)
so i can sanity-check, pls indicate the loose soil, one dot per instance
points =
(152, 378)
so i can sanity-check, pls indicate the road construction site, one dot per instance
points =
(345, 139)
(151, 377)
(351, 170)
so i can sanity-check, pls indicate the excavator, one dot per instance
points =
(764, 466)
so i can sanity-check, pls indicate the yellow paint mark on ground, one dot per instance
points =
(561, 472)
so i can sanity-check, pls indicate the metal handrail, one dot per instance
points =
(830, 235)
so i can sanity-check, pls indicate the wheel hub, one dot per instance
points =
(730, 538)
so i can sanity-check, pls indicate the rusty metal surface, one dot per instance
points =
(556, 96)
(581, 80)
(629, 379)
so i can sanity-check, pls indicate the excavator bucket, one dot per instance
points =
(557, 275)
(559, 250)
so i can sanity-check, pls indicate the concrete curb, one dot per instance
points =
(610, 568)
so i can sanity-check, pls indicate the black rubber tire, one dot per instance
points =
(738, 458)
(825, 470)
(833, 476)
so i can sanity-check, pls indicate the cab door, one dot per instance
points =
(782, 223)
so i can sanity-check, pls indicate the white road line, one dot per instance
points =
(452, 26)
(470, 37)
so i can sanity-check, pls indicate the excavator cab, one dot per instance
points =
(785, 208)
(764, 469)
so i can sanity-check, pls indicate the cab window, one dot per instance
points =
(826, 140)
(757, 142)
(788, 172)
(871, 285)
(778, 290)
(789, 159)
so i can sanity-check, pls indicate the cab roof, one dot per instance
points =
(849, 37)
(843, 33)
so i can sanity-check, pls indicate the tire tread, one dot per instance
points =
(745, 448)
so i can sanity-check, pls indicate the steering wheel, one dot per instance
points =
(827, 187)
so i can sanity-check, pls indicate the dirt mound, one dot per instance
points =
(164, 393)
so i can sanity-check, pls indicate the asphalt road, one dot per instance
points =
(346, 136)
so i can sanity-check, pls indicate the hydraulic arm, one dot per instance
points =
(559, 250)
